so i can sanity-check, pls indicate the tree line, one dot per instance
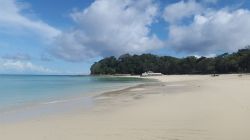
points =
(238, 62)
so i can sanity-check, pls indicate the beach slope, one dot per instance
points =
(179, 107)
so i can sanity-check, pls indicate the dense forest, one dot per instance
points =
(238, 62)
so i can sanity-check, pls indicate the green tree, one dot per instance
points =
(137, 64)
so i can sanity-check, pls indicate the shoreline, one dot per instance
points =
(178, 107)
(46, 108)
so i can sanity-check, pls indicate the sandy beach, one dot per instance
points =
(178, 107)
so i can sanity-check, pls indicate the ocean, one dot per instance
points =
(20, 91)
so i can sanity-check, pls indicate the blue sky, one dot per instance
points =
(66, 37)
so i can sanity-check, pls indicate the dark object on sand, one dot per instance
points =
(215, 75)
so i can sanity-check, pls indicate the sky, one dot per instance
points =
(67, 37)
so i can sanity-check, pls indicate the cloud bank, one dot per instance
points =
(20, 66)
(115, 27)
(11, 18)
(209, 30)
(110, 27)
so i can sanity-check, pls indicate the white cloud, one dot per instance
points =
(109, 27)
(219, 31)
(115, 27)
(183, 9)
(210, 31)
(19, 66)
(11, 18)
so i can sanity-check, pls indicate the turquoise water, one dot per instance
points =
(17, 90)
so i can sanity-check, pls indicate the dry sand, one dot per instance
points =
(186, 107)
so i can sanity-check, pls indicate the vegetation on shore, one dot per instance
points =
(238, 62)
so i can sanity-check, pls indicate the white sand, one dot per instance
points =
(179, 108)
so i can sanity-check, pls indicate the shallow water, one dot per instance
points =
(23, 90)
